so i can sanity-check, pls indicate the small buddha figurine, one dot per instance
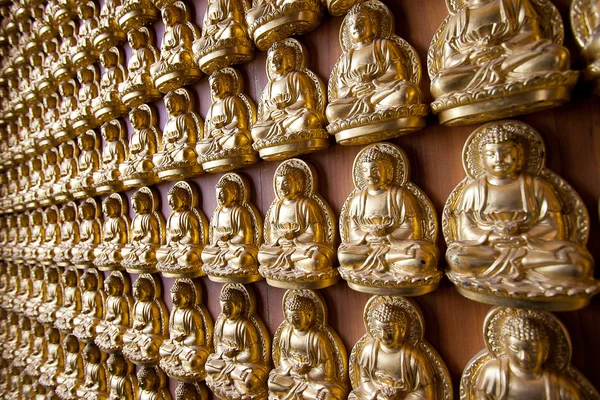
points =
(51, 368)
(514, 236)
(122, 384)
(184, 353)
(51, 161)
(38, 235)
(235, 233)
(144, 142)
(13, 337)
(134, 14)
(47, 82)
(388, 227)
(108, 105)
(190, 391)
(585, 22)
(85, 53)
(178, 157)
(62, 129)
(83, 116)
(240, 364)
(38, 356)
(12, 286)
(109, 32)
(150, 324)
(176, 66)
(92, 306)
(73, 375)
(152, 384)
(224, 40)
(187, 233)
(35, 128)
(24, 238)
(299, 232)
(393, 360)
(71, 304)
(138, 87)
(36, 179)
(374, 89)
(147, 233)
(90, 229)
(64, 69)
(38, 292)
(89, 163)
(270, 21)
(114, 152)
(54, 297)
(115, 233)
(24, 290)
(51, 115)
(25, 348)
(498, 58)
(117, 310)
(227, 144)
(291, 109)
(527, 357)
(69, 154)
(94, 385)
(310, 358)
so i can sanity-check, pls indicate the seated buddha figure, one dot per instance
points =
(509, 227)
(47, 82)
(176, 66)
(94, 384)
(89, 162)
(24, 237)
(64, 68)
(184, 353)
(178, 157)
(117, 313)
(291, 107)
(374, 92)
(299, 232)
(25, 348)
(92, 306)
(187, 230)
(384, 244)
(115, 233)
(71, 304)
(487, 53)
(51, 368)
(85, 53)
(114, 152)
(224, 40)
(38, 355)
(240, 363)
(109, 32)
(308, 353)
(69, 168)
(89, 234)
(108, 104)
(36, 179)
(138, 86)
(51, 176)
(12, 286)
(83, 116)
(235, 234)
(51, 115)
(38, 292)
(73, 374)
(147, 233)
(150, 327)
(144, 142)
(38, 235)
(68, 90)
(24, 291)
(585, 22)
(152, 384)
(227, 143)
(54, 297)
(13, 337)
(122, 384)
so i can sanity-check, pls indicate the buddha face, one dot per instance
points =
(111, 208)
(53, 336)
(91, 356)
(49, 46)
(389, 333)
(110, 132)
(113, 287)
(143, 291)
(140, 204)
(172, 15)
(116, 368)
(136, 39)
(177, 201)
(85, 11)
(231, 309)
(51, 275)
(66, 151)
(502, 160)
(108, 59)
(175, 104)
(139, 119)
(69, 279)
(86, 142)
(86, 211)
(84, 76)
(220, 86)
(88, 282)
(67, 89)
(281, 61)
(225, 197)
(71, 345)
(527, 356)
(148, 381)
(299, 319)
(286, 186)
(36, 111)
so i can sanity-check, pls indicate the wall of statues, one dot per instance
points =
(299, 199)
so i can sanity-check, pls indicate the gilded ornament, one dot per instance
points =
(176, 66)
(73, 375)
(191, 391)
(94, 385)
(184, 353)
(150, 326)
(178, 158)
(115, 233)
(235, 233)
(309, 356)
(299, 232)
(147, 233)
(90, 230)
(62, 129)
(240, 363)
(528, 356)
(585, 22)
(291, 109)
(118, 311)
(109, 32)
(495, 59)
(40, 349)
(89, 162)
(515, 230)
(224, 39)
(64, 69)
(388, 227)
(227, 144)
(152, 384)
(108, 177)
(52, 367)
(69, 154)
(145, 141)
(134, 14)
(82, 118)
(85, 53)
(122, 384)
(92, 306)
(54, 297)
(71, 301)
(108, 104)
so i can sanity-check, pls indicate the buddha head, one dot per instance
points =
(232, 302)
(221, 85)
(38, 330)
(53, 336)
(502, 153)
(71, 344)
(172, 15)
(289, 181)
(299, 312)
(175, 103)
(36, 59)
(87, 211)
(25, 324)
(139, 118)
(69, 278)
(179, 199)
(281, 58)
(23, 220)
(91, 353)
(65, 30)
(526, 344)
(137, 39)
(50, 157)
(85, 75)
(228, 193)
(111, 207)
(108, 59)
(23, 73)
(110, 132)
(13, 319)
(183, 294)
(38, 273)
(88, 281)
(87, 141)
(143, 289)
(67, 89)
(36, 218)
(389, 325)
(148, 378)
(116, 365)
(36, 164)
(49, 46)
(51, 275)
(113, 286)
(85, 10)
(186, 391)
(36, 111)
(66, 150)
(67, 213)
(141, 202)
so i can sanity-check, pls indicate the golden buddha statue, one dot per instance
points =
(152, 384)
(393, 360)
(191, 391)
(92, 306)
(19, 200)
(61, 129)
(388, 228)
(36, 179)
(73, 375)
(117, 310)
(50, 160)
(310, 358)
(291, 109)
(299, 232)
(94, 385)
(37, 238)
(184, 353)
(147, 233)
(69, 154)
(494, 59)
(108, 105)
(108, 177)
(40, 349)
(115, 233)
(178, 157)
(134, 14)
(527, 357)
(122, 384)
(187, 233)
(12, 287)
(150, 326)
(235, 233)
(54, 297)
(89, 162)
(51, 368)
(85, 53)
(138, 87)
(64, 68)
(47, 82)
(83, 116)
(109, 32)
(24, 238)
(25, 348)
(38, 292)
(71, 301)
(228, 142)
(516, 231)
(144, 142)
(24, 290)
(176, 66)
(36, 125)
(50, 117)
(13, 337)
(585, 22)
(240, 364)
(90, 229)
(224, 40)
